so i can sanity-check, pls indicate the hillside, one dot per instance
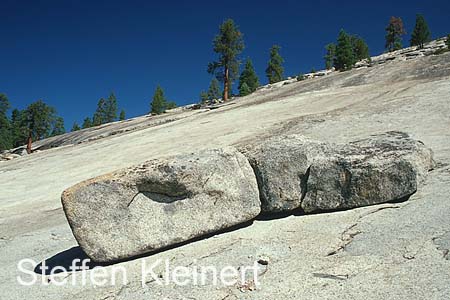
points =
(393, 251)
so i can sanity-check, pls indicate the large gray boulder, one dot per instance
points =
(161, 203)
(295, 172)
(281, 165)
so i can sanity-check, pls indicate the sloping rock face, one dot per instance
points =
(164, 202)
(161, 203)
(294, 172)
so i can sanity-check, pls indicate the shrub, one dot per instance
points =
(301, 77)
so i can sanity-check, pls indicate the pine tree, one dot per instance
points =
(360, 48)
(38, 118)
(274, 71)
(228, 44)
(111, 109)
(203, 97)
(159, 102)
(75, 127)
(330, 55)
(244, 90)
(58, 127)
(421, 34)
(345, 58)
(122, 115)
(86, 123)
(99, 117)
(214, 90)
(18, 128)
(394, 32)
(5, 125)
(249, 77)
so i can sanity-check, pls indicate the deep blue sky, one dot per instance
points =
(71, 53)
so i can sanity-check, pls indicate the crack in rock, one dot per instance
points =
(442, 243)
(331, 276)
(350, 232)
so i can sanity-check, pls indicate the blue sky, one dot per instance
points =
(71, 53)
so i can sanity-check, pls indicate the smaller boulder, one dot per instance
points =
(296, 172)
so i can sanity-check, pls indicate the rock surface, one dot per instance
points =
(160, 203)
(388, 251)
(384, 168)
(281, 165)
(294, 171)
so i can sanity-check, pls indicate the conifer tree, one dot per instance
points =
(228, 44)
(5, 125)
(244, 90)
(87, 122)
(75, 127)
(274, 71)
(122, 115)
(214, 90)
(111, 109)
(18, 128)
(58, 127)
(345, 58)
(421, 33)
(249, 77)
(159, 102)
(38, 119)
(330, 55)
(360, 48)
(204, 97)
(99, 117)
(394, 32)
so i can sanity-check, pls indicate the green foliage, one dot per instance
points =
(313, 70)
(394, 32)
(111, 108)
(87, 122)
(4, 104)
(159, 102)
(38, 119)
(244, 89)
(100, 113)
(274, 71)
(345, 58)
(228, 44)
(301, 77)
(360, 48)
(106, 111)
(58, 127)
(421, 33)
(171, 105)
(203, 97)
(348, 50)
(18, 128)
(249, 77)
(330, 55)
(122, 115)
(214, 90)
(448, 41)
(75, 127)
(5, 126)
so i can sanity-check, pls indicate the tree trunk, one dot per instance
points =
(29, 142)
(225, 84)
